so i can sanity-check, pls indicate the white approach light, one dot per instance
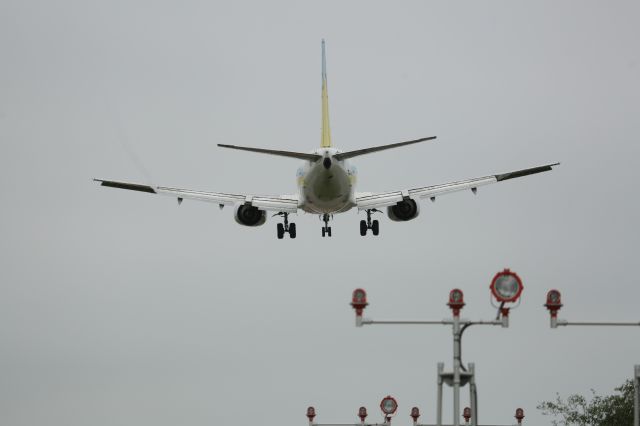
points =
(389, 405)
(506, 286)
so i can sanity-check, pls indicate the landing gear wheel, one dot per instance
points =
(375, 227)
(326, 229)
(292, 230)
(280, 228)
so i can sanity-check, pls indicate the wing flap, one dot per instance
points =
(372, 201)
(279, 204)
(210, 197)
(432, 191)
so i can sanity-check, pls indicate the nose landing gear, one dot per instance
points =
(326, 229)
(286, 226)
(374, 225)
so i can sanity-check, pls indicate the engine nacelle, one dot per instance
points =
(403, 211)
(248, 215)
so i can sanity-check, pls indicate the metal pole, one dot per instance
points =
(473, 395)
(456, 370)
(367, 321)
(605, 324)
(636, 385)
(439, 408)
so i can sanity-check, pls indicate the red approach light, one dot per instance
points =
(519, 415)
(466, 413)
(362, 413)
(311, 413)
(415, 413)
(359, 300)
(506, 286)
(554, 301)
(389, 405)
(456, 300)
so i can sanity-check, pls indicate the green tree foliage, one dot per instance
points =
(611, 410)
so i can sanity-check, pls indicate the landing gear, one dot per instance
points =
(285, 227)
(374, 225)
(326, 229)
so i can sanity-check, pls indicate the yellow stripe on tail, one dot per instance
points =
(326, 131)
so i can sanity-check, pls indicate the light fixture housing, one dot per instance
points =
(415, 413)
(466, 413)
(554, 300)
(506, 286)
(362, 413)
(311, 413)
(389, 405)
(359, 300)
(456, 300)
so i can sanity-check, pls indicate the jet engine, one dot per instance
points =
(403, 211)
(248, 215)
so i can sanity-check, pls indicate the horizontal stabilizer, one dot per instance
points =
(350, 154)
(298, 155)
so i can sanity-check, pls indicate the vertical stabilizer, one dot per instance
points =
(326, 131)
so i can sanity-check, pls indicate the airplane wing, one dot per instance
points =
(365, 201)
(284, 203)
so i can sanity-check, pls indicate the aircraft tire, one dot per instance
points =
(292, 230)
(329, 231)
(363, 228)
(280, 229)
(323, 232)
(375, 227)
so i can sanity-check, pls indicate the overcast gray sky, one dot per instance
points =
(120, 308)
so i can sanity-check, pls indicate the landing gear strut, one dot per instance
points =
(374, 225)
(326, 229)
(286, 226)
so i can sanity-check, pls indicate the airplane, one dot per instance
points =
(326, 185)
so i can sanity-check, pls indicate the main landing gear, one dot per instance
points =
(326, 229)
(286, 226)
(374, 225)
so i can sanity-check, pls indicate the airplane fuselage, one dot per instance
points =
(326, 186)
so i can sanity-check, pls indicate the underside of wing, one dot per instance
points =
(284, 203)
(365, 201)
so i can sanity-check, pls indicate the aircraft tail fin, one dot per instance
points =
(325, 141)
